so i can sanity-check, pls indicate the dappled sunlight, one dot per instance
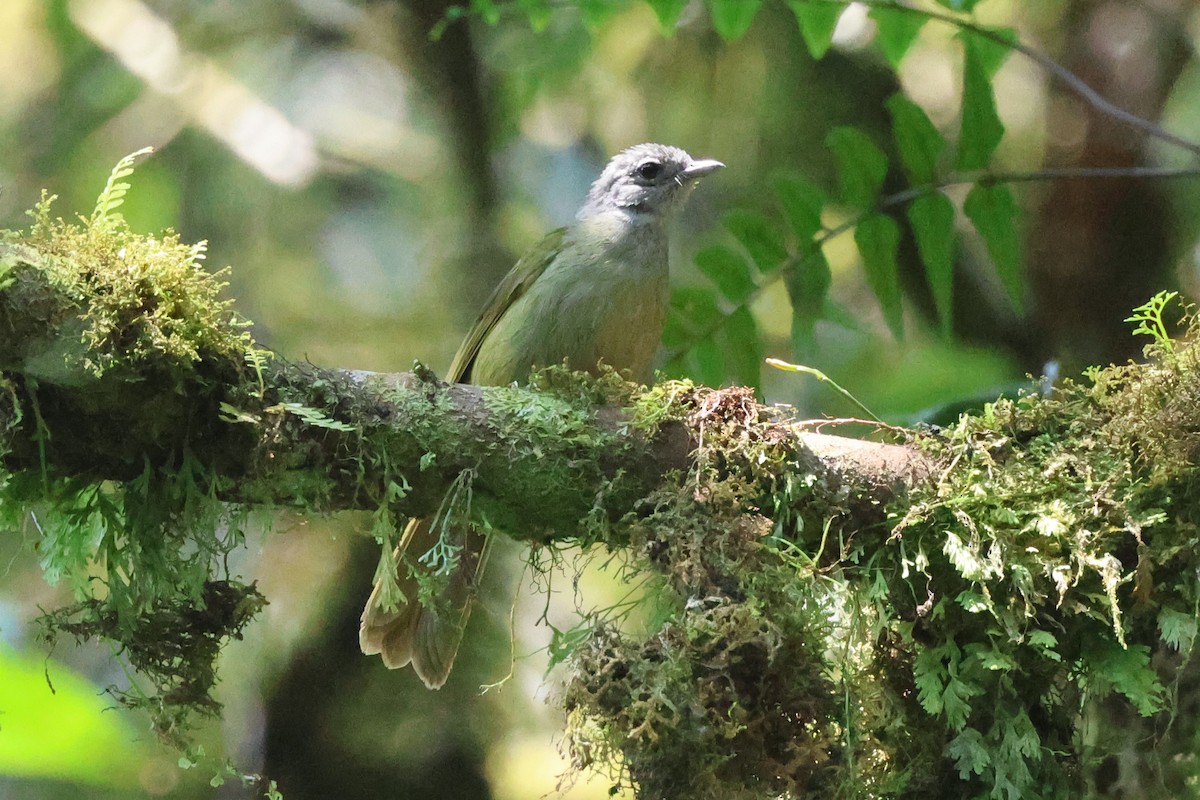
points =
(252, 129)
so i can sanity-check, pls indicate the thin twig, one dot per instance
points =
(1056, 70)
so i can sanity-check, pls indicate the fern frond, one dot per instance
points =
(115, 189)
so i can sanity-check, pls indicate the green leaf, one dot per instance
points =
(1150, 321)
(563, 643)
(693, 311)
(840, 315)
(940, 689)
(668, 12)
(802, 202)
(966, 6)
(969, 752)
(955, 702)
(732, 18)
(993, 54)
(705, 362)
(808, 285)
(597, 12)
(972, 602)
(743, 348)
(993, 211)
(313, 417)
(115, 189)
(1177, 629)
(760, 238)
(488, 10)
(929, 676)
(897, 30)
(809, 278)
(1042, 640)
(728, 270)
(878, 239)
(817, 24)
(1128, 670)
(538, 12)
(862, 166)
(65, 732)
(932, 218)
(917, 139)
(987, 657)
(981, 126)
(1019, 736)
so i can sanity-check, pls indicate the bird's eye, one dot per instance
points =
(649, 170)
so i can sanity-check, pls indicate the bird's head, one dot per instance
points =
(647, 179)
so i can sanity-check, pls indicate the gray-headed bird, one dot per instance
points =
(594, 291)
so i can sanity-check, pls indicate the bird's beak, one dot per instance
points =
(698, 169)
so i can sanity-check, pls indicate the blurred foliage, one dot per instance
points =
(371, 181)
(54, 726)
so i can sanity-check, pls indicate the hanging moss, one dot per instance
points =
(102, 318)
(974, 638)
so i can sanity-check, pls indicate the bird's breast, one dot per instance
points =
(603, 299)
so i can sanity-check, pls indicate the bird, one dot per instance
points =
(594, 292)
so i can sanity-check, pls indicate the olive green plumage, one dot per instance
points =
(595, 291)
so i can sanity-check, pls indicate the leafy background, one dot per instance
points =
(369, 184)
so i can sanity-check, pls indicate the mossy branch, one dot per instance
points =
(327, 440)
(135, 404)
(965, 608)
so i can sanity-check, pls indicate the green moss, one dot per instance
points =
(143, 300)
(971, 636)
(124, 316)
(734, 696)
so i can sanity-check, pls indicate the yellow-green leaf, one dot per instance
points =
(69, 733)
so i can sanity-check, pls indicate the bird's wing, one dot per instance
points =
(515, 283)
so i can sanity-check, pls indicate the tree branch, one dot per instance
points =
(817, 585)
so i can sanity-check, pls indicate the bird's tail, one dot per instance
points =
(427, 636)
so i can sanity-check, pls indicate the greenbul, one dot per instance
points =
(595, 291)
